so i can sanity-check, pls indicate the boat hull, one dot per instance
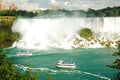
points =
(63, 66)
(24, 53)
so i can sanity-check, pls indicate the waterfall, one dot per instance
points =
(60, 32)
(106, 26)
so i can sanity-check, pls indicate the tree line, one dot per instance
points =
(19, 13)
(106, 12)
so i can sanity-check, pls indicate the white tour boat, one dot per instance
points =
(23, 53)
(62, 64)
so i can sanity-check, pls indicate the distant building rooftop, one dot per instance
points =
(2, 5)
(55, 7)
(13, 7)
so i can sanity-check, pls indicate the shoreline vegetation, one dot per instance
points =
(6, 35)
(9, 72)
(116, 63)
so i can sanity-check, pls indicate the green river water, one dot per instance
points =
(90, 63)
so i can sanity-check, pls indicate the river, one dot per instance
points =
(90, 63)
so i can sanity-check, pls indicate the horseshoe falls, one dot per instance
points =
(53, 39)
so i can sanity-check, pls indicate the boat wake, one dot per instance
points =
(96, 75)
(42, 69)
(30, 68)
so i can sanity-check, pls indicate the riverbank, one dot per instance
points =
(6, 35)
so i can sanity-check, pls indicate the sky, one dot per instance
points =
(63, 4)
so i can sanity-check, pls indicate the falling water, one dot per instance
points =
(60, 32)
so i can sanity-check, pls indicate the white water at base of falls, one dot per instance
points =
(61, 32)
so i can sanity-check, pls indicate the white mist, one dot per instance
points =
(59, 32)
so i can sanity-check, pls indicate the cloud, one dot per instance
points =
(55, 3)
(30, 6)
(24, 4)
(66, 4)
(78, 5)
(17, 0)
(94, 4)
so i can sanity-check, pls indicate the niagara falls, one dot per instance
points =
(53, 39)
(59, 40)
(38, 33)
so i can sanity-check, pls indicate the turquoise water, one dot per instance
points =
(90, 63)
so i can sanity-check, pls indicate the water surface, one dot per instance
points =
(90, 63)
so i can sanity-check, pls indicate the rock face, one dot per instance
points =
(62, 32)
(80, 42)
(106, 31)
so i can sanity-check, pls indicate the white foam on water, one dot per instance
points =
(96, 75)
(59, 71)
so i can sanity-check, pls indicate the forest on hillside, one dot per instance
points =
(106, 12)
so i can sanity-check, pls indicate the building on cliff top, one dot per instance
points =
(13, 7)
(2, 5)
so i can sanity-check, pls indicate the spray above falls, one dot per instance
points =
(62, 32)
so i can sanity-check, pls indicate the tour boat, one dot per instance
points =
(62, 64)
(23, 53)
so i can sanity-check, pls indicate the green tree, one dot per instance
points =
(116, 63)
(91, 13)
(86, 33)
(9, 72)
(49, 77)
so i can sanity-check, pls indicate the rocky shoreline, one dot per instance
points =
(79, 42)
